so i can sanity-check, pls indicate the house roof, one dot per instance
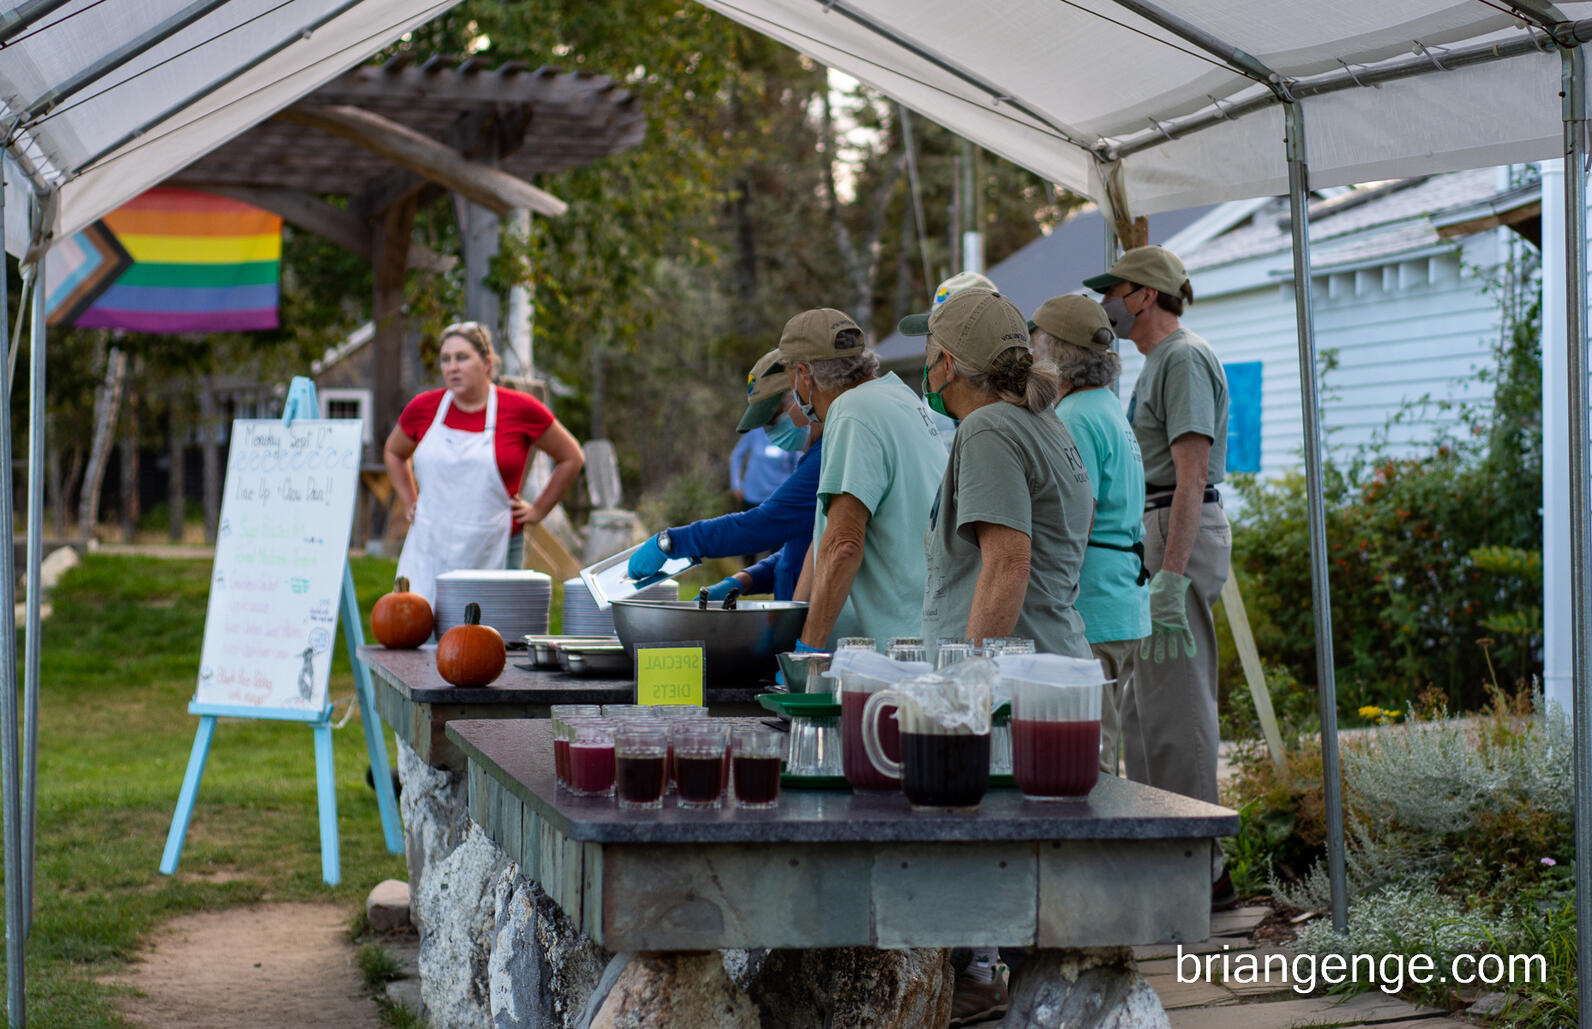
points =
(1052, 264)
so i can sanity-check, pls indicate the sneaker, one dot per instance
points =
(974, 1001)
(1223, 896)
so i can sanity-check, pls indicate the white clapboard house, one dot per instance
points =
(1401, 298)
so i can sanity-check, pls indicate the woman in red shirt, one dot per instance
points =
(457, 458)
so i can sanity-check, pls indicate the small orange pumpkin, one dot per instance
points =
(401, 620)
(471, 654)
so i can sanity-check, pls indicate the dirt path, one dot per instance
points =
(252, 968)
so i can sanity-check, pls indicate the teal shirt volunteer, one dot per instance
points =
(1113, 604)
(881, 447)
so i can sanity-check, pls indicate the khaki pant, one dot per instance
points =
(1114, 657)
(1167, 711)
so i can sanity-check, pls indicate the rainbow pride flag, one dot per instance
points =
(201, 263)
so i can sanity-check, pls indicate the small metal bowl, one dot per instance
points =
(804, 672)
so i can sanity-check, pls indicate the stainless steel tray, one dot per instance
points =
(609, 579)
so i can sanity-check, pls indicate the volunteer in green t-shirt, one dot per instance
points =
(881, 462)
(1074, 334)
(1179, 414)
(1007, 535)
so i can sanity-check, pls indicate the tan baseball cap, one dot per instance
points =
(976, 326)
(766, 386)
(918, 324)
(1077, 320)
(821, 334)
(1156, 267)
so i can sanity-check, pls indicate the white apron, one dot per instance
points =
(463, 515)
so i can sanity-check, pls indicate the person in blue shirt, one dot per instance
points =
(782, 523)
(758, 466)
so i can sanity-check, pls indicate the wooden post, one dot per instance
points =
(390, 255)
(176, 451)
(210, 437)
(479, 231)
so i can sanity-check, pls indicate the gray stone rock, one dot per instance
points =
(1098, 988)
(670, 991)
(743, 966)
(542, 969)
(387, 907)
(456, 906)
(435, 809)
(853, 988)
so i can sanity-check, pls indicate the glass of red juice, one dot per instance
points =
(756, 755)
(591, 757)
(1055, 738)
(557, 714)
(701, 765)
(639, 753)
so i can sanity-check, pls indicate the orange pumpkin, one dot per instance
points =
(401, 619)
(471, 654)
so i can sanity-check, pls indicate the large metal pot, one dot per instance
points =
(740, 645)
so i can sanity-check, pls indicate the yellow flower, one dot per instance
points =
(1370, 712)
(1392, 714)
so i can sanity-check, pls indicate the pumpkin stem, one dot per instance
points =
(401, 584)
(472, 613)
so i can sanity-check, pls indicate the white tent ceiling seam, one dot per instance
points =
(117, 97)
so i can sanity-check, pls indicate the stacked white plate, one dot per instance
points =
(582, 618)
(515, 603)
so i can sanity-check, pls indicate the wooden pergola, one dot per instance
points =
(392, 137)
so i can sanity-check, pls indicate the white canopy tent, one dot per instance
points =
(99, 102)
(1148, 106)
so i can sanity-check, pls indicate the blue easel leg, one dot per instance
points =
(375, 739)
(326, 787)
(185, 799)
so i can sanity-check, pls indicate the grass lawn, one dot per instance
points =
(121, 653)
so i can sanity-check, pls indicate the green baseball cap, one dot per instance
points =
(766, 386)
(1076, 320)
(1156, 267)
(918, 324)
(977, 325)
(821, 334)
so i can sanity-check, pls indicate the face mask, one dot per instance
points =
(786, 436)
(809, 412)
(1122, 319)
(934, 398)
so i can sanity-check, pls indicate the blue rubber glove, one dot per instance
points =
(647, 560)
(721, 589)
(802, 648)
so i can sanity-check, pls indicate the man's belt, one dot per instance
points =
(1157, 497)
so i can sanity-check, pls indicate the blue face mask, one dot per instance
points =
(786, 436)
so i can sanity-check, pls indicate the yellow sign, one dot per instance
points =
(669, 675)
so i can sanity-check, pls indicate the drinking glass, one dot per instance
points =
(948, 652)
(591, 757)
(905, 648)
(556, 714)
(860, 642)
(701, 764)
(756, 754)
(639, 755)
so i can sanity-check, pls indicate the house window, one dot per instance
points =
(349, 403)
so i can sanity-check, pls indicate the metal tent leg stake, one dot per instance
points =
(1575, 293)
(15, 999)
(1321, 594)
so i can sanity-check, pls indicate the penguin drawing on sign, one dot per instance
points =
(306, 679)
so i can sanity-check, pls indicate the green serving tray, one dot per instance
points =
(800, 705)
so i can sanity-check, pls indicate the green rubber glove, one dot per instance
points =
(1168, 619)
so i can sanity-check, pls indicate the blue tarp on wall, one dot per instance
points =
(1243, 416)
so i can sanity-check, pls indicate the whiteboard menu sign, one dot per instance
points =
(281, 547)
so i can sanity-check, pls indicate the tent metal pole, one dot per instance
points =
(1573, 77)
(34, 644)
(1320, 590)
(15, 1000)
(15, 21)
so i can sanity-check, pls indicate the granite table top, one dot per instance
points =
(413, 674)
(518, 754)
